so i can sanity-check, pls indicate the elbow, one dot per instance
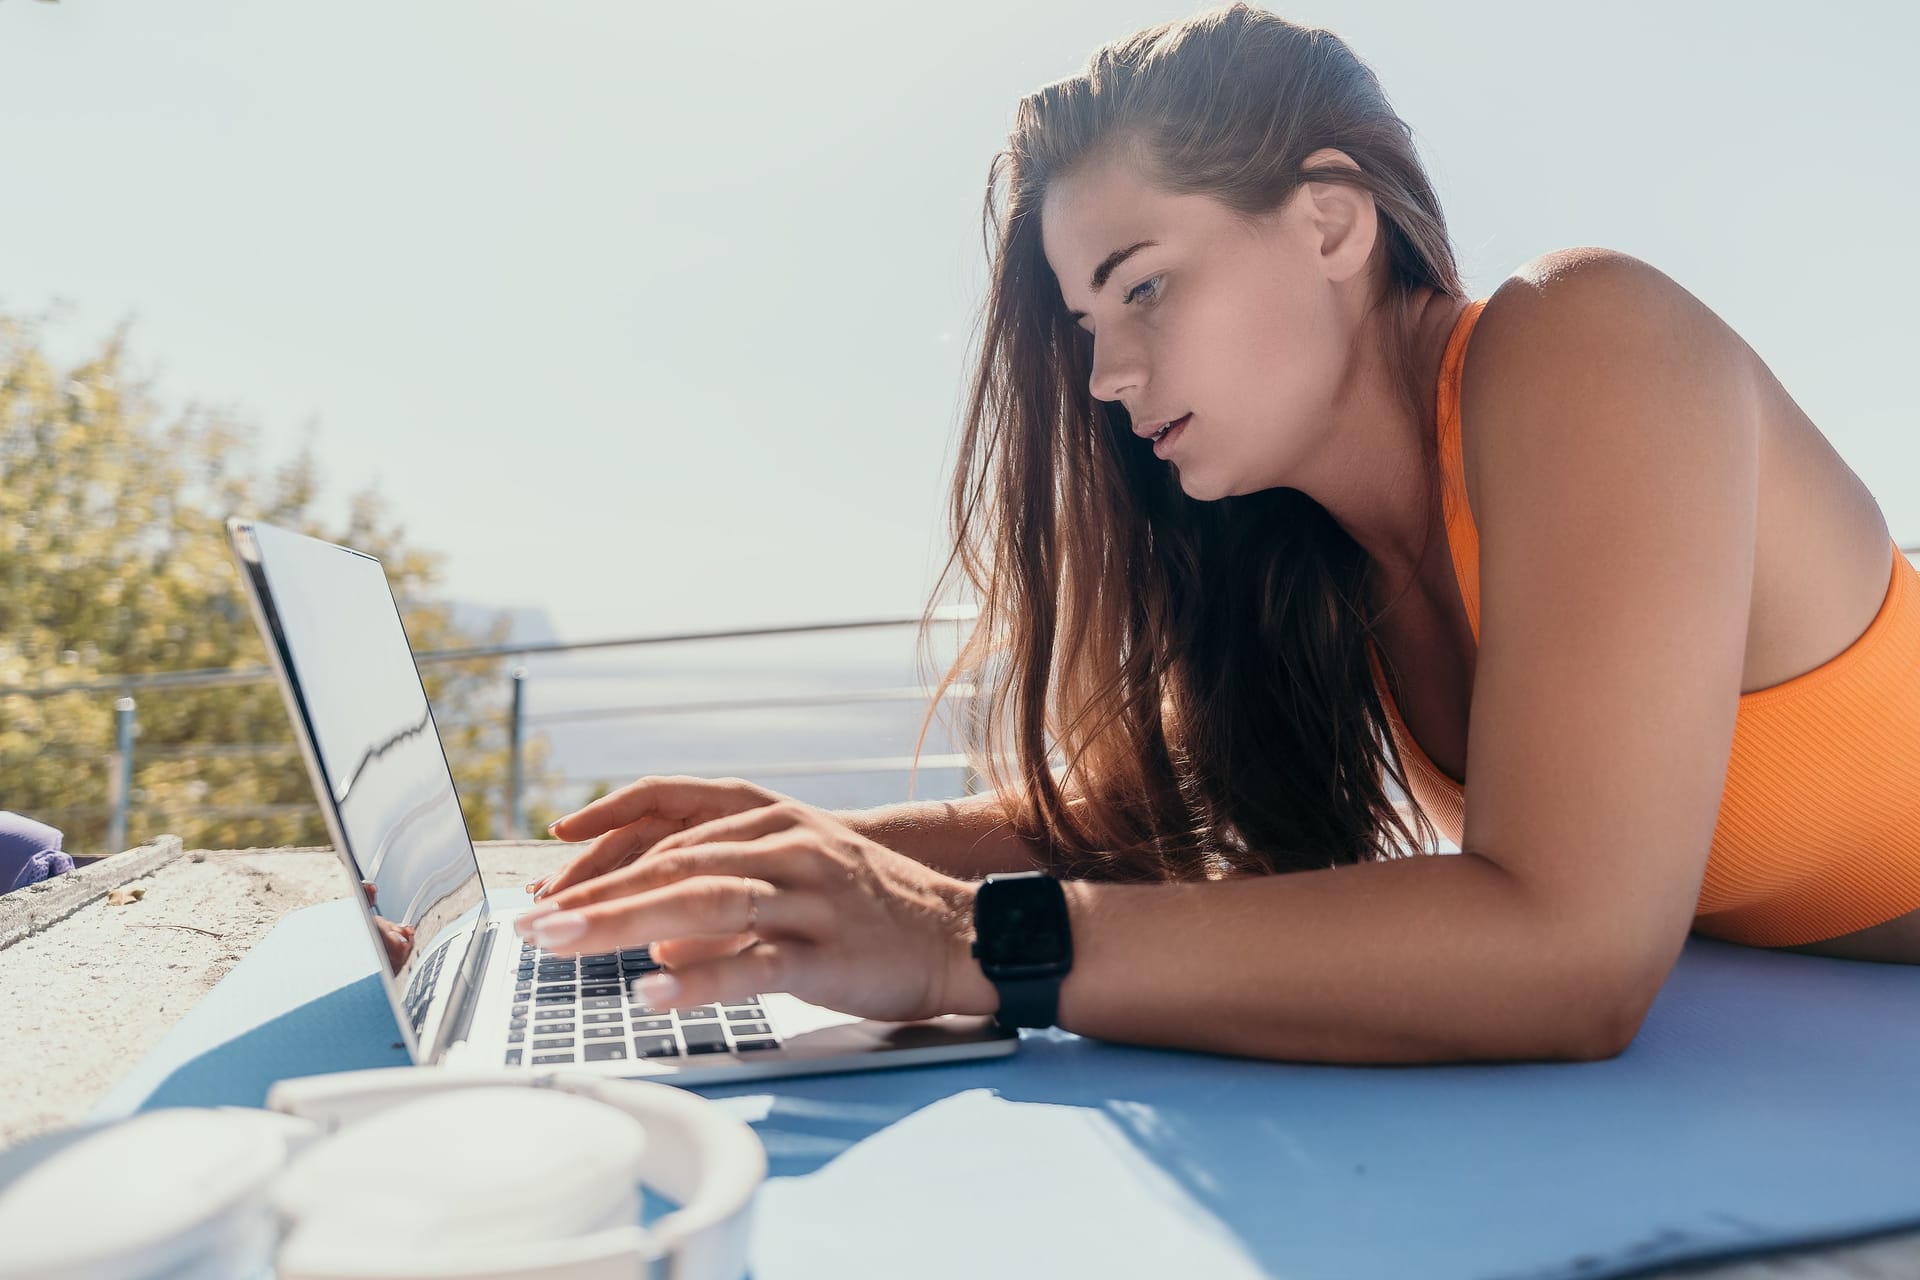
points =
(1609, 1019)
(1607, 1036)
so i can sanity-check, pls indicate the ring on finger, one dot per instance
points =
(753, 907)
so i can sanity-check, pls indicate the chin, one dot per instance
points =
(1206, 488)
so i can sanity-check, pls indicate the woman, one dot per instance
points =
(1607, 560)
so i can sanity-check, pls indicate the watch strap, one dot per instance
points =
(1028, 1002)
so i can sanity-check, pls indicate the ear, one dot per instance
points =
(1343, 219)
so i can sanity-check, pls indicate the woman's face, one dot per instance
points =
(1194, 310)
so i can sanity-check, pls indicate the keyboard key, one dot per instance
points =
(751, 1013)
(513, 1057)
(553, 1044)
(750, 1028)
(519, 1009)
(615, 1018)
(699, 1013)
(545, 1014)
(605, 1051)
(594, 1033)
(745, 1046)
(656, 1046)
(556, 989)
(551, 1059)
(601, 1002)
(515, 1037)
(634, 953)
(554, 1029)
(704, 1037)
(661, 1023)
(522, 988)
(599, 991)
(518, 1024)
(557, 999)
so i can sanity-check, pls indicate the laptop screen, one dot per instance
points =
(355, 693)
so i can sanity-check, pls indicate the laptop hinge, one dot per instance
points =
(466, 989)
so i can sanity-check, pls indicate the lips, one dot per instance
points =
(1167, 428)
(1164, 441)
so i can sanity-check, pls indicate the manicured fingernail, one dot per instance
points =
(523, 923)
(657, 988)
(553, 928)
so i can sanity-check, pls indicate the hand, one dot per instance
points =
(838, 920)
(629, 821)
(396, 939)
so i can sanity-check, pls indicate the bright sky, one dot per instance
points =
(658, 316)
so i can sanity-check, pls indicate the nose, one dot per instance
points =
(1119, 368)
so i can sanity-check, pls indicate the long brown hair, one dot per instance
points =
(1200, 667)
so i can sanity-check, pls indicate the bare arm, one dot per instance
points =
(1616, 449)
(966, 838)
(1437, 958)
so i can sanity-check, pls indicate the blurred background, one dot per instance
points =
(620, 319)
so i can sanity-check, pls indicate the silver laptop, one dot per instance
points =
(465, 989)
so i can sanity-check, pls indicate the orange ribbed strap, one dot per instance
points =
(1819, 827)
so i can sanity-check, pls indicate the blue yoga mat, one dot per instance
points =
(1770, 1101)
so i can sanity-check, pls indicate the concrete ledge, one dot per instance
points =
(27, 911)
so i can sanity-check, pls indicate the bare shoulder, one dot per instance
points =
(1588, 323)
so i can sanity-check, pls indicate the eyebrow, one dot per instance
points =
(1107, 267)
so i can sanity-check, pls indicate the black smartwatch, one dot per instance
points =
(1024, 945)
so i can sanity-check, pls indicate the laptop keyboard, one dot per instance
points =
(570, 1009)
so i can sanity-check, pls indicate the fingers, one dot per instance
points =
(760, 968)
(612, 850)
(775, 856)
(710, 906)
(676, 953)
(680, 798)
(626, 843)
(748, 824)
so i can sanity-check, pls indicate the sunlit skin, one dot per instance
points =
(1260, 329)
(1254, 326)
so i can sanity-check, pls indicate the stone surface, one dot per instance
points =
(93, 986)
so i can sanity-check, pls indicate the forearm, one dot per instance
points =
(1429, 959)
(967, 837)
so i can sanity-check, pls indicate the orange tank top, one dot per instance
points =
(1819, 827)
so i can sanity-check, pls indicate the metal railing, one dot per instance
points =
(120, 776)
(120, 790)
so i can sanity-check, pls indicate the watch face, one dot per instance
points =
(1020, 924)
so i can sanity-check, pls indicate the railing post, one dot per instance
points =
(120, 784)
(514, 766)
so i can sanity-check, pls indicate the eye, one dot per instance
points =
(1080, 322)
(1134, 292)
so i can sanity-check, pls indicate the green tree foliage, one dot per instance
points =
(114, 561)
